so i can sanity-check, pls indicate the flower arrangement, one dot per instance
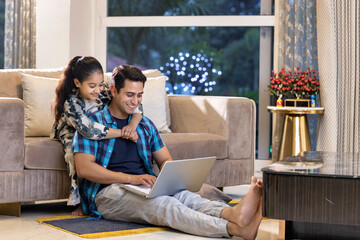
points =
(294, 84)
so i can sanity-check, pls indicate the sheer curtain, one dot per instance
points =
(339, 63)
(20, 34)
(295, 45)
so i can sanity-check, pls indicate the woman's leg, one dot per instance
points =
(74, 197)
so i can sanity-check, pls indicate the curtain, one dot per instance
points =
(339, 63)
(295, 45)
(19, 42)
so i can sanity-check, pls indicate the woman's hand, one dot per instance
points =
(128, 130)
(134, 136)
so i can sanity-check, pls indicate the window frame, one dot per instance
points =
(266, 21)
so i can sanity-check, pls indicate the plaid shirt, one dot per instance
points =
(149, 141)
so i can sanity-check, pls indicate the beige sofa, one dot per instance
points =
(32, 165)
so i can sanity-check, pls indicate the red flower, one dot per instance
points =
(294, 83)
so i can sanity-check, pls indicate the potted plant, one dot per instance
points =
(294, 85)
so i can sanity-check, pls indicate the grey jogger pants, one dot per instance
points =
(185, 211)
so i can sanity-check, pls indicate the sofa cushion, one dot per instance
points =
(38, 92)
(44, 153)
(195, 145)
(154, 102)
(10, 80)
(154, 73)
(151, 73)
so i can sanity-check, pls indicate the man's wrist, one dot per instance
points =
(120, 133)
(129, 178)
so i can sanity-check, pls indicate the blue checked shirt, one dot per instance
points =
(149, 141)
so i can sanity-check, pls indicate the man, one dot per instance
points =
(106, 163)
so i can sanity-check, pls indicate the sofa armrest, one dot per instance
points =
(230, 117)
(11, 134)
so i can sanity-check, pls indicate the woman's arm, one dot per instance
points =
(77, 118)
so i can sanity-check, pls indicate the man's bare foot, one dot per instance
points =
(78, 211)
(243, 213)
(249, 231)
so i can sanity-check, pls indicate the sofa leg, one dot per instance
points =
(10, 209)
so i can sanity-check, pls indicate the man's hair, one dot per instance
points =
(123, 72)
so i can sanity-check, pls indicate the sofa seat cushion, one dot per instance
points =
(195, 145)
(44, 153)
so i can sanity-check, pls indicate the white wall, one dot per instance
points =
(64, 29)
(82, 33)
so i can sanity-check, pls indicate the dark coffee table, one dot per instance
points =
(318, 195)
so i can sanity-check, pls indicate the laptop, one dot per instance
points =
(175, 176)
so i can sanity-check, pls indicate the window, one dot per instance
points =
(197, 60)
(204, 47)
(187, 7)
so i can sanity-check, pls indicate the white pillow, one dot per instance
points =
(154, 102)
(108, 78)
(38, 94)
(151, 73)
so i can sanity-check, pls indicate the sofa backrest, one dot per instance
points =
(10, 80)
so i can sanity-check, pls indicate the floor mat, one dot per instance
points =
(88, 228)
(84, 227)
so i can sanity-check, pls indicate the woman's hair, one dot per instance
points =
(123, 72)
(80, 68)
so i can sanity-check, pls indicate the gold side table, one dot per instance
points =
(295, 137)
